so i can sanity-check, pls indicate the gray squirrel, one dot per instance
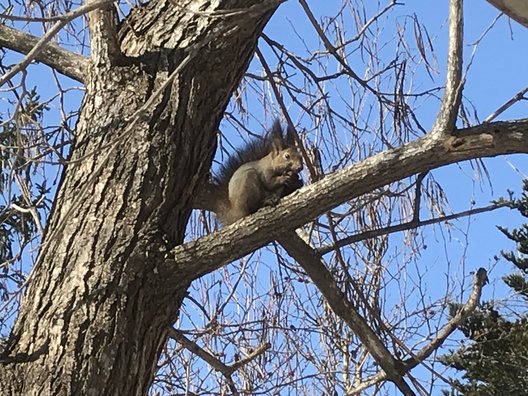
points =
(257, 175)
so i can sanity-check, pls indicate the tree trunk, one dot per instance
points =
(99, 304)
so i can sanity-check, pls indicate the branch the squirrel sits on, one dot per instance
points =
(257, 175)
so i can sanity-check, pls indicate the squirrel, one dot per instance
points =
(257, 175)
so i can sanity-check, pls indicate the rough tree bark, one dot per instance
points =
(99, 304)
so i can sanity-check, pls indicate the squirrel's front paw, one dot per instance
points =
(285, 178)
(271, 200)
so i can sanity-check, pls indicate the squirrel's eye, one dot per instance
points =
(287, 155)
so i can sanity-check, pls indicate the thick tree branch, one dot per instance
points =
(323, 279)
(486, 140)
(65, 62)
(446, 118)
(42, 43)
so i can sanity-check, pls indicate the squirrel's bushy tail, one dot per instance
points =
(212, 197)
(215, 198)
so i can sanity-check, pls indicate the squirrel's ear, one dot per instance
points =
(290, 137)
(277, 140)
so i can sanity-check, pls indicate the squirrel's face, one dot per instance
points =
(290, 160)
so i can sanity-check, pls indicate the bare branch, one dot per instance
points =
(44, 41)
(331, 49)
(256, 353)
(206, 356)
(446, 118)
(65, 62)
(226, 370)
(518, 96)
(194, 348)
(30, 19)
(418, 197)
(481, 278)
(414, 223)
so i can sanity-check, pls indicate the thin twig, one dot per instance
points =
(517, 97)
(227, 371)
(409, 225)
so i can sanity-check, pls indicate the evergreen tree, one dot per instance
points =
(495, 362)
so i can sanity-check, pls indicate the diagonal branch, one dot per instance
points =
(516, 98)
(227, 371)
(65, 62)
(414, 223)
(446, 118)
(323, 279)
(43, 42)
(481, 278)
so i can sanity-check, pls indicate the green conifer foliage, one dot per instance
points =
(494, 360)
